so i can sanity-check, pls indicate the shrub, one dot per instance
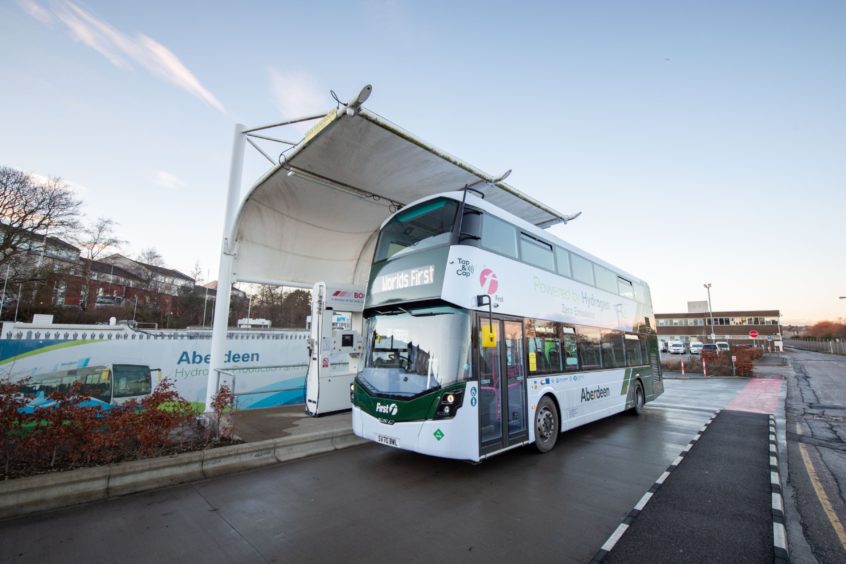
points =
(68, 435)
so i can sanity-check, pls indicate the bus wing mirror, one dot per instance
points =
(488, 337)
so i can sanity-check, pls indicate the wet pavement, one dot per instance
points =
(261, 424)
(377, 504)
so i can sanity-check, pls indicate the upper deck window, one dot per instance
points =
(499, 236)
(605, 279)
(537, 253)
(425, 225)
(582, 269)
(626, 288)
(562, 258)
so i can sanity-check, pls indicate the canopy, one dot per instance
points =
(316, 214)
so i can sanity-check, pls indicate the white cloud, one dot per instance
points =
(122, 50)
(74, 187)
(36, 11)
(161, 61)
(167, 180)
(296, 94)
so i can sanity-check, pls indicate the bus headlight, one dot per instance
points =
(352, 393)
(449, 404)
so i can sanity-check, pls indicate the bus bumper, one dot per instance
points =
(456, 438)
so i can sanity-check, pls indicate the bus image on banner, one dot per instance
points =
(484, 332)
(106, 385)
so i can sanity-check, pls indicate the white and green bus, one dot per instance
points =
(484, 333)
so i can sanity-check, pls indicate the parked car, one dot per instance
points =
(709, 348)
(723, 346)
(108, 301)
(695, 347)
(677, 347)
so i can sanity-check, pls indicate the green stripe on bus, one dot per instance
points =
(626, 379)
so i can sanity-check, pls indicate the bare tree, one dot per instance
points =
(97, 239)
(151, 256)
(32, 210)
(197, 273)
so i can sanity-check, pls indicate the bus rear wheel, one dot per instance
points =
(639, 399)
(546, 425)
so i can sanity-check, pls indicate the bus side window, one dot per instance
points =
(590, 348)
(613, 349)
(634, 354)
(569, 349)
(644, 347)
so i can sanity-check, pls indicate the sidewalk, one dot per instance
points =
(276, 422)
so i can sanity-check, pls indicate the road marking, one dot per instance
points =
(678, 407)
(643, 501)
(821, 495)
(779, 536)
(612, 540)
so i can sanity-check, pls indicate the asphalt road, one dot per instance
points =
(816, 431)
(377, 504)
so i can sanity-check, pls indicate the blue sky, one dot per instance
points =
(703, 141)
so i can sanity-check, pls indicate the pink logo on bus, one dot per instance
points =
(488, 280)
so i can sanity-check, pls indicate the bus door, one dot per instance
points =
(502, 387)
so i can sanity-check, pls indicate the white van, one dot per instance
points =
(695, 347)
(677, 347)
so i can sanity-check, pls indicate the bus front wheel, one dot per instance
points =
(546, 425)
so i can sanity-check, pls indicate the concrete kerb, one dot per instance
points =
(60, 489)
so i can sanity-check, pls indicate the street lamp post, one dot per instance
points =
(710, 312)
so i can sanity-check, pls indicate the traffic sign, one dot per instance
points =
(753, 334)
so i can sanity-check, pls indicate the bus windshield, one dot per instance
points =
(425, 225)
(414, 350)
(131, 380)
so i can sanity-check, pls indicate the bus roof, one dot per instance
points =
(543, 234)
(315, 215)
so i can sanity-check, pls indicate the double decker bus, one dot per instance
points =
(484, 333)
(106, 385)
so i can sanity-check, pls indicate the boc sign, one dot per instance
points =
(753, 334)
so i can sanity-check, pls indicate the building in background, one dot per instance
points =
(731, 326)
(47, 271)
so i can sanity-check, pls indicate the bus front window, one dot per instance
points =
(414, 350)
(422, 226)
(131, 380)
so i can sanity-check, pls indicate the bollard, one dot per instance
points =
(704, 368)
(682, 365)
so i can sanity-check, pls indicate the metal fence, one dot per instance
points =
(832, 346)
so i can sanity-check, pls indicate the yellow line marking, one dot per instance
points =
(824, 501)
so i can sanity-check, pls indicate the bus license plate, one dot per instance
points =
(390, 441)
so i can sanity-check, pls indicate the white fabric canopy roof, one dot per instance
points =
(316, 215)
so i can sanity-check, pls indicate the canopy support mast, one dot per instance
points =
(227, 260)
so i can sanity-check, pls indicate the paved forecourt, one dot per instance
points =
(374, 503)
